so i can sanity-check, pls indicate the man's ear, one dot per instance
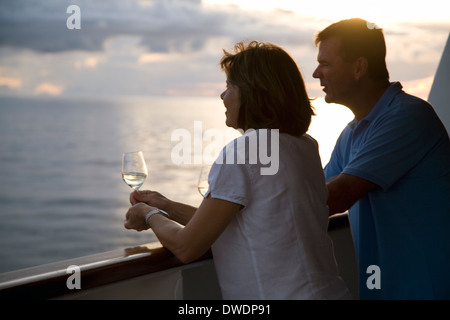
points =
(360, 66)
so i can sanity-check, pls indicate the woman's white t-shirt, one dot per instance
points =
(277, 246)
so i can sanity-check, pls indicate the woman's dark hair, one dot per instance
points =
(271, 88)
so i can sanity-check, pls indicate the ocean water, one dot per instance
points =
(61, 191)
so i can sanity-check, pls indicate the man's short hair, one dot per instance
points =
(360, 38)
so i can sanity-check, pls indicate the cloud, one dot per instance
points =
(37, 25)
(420, 87)
(48, 89)
(160, 47)
(90, 62)
(169, 47)
(12, 83)
(162, 25)
(8, 80)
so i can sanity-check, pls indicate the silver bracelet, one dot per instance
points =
(156, 211)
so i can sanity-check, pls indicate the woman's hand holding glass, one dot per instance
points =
(152, 198)
(135, 216)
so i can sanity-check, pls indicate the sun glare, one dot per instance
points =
(327, 124)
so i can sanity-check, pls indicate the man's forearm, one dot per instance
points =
(344, 190)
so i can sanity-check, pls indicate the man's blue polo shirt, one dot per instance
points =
(403, 227)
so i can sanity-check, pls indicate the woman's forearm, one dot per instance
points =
(177, 211)
(171, 236)
(187, 232)
(195, 239)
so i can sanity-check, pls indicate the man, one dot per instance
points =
(390, 168)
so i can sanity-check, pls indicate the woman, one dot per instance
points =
(267, 232)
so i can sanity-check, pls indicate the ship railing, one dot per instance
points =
(148, 271)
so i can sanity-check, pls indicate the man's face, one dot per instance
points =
(334, 73)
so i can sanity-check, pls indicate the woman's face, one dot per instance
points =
(232, 103)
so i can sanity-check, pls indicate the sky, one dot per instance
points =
(172, 47)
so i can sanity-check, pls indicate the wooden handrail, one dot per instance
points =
(49, 281)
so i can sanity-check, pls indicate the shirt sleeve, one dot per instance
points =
(396, 144)
(229, 181)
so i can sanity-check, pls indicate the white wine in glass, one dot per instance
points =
(134, 170)
(203, 184)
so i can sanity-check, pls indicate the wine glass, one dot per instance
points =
(134, 170)
(203, 184)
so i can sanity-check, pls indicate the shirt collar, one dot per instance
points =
(382, 103)
(385, 100)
